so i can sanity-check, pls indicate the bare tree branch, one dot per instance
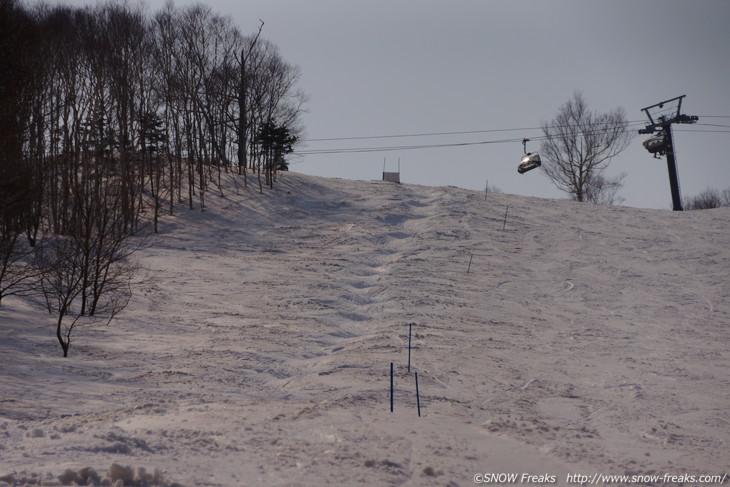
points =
(578, 147)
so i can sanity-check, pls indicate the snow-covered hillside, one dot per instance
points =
(582, 340)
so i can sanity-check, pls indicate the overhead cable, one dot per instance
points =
(631, 126)
(431, 134)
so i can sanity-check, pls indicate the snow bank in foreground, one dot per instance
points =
(117, 476)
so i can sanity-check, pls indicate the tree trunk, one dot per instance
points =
(65, 343)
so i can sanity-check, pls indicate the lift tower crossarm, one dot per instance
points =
(663, 121)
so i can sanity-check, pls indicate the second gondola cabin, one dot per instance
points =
(529, 161)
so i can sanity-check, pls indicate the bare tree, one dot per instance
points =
(578, 146)
(709, 198)
(86, 276)
(19, 195)
(61, 284)
(274, 100)
(243, 95)
(603, 190)
(18, 272)
(15, 205)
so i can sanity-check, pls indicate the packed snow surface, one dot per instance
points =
(256, 351)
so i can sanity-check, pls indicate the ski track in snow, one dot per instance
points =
(257, 352)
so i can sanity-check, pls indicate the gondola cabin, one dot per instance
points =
(529, 161)
(657, 144)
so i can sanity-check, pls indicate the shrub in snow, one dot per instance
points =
(125, 474)
(68, 477)
(36, 433)
(88, 476)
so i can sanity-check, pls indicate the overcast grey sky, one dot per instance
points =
(393, 67)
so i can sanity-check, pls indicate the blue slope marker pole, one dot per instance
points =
(410, 327)
(418, 398)
(391, 387)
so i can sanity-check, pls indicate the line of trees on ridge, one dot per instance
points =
(110, 116)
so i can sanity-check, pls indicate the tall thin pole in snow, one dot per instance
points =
(391, 387)
(410, 327)
(418, 397)
(505, 218)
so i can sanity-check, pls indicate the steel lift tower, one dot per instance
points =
(661, 120)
